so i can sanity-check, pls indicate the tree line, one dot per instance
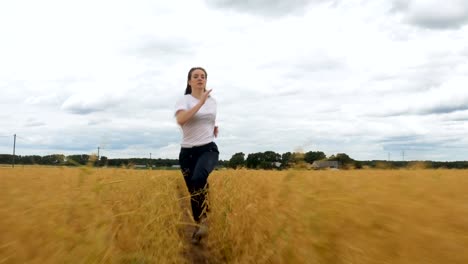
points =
(260, 160)
(83, 159)
(272, 160)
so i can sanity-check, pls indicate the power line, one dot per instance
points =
(14, 146)
(22, 137)
(123, 153)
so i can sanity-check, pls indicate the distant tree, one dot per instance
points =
(265, 160)
(266, 165)
(297, 160)
(34, 159)
(80, 159)
(271, 156)
(286, 160)
(270, 160)
(254, 160)
(54, 159)
(343, 159)
(222, 164)
(103, 161)
(6, 158)
(357, 164)
(237, 160)
(312, 156)
(117, 162)
(298, 157)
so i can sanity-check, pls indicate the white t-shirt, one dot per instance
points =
(199, 130)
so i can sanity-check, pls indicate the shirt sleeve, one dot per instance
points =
(181, 105)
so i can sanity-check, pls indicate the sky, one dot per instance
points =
(375, 79)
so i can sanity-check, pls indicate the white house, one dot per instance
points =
(325, 164)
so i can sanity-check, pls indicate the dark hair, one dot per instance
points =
(188, 90)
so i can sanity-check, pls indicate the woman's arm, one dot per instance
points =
(183, 116)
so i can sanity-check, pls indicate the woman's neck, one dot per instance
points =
(197, 93)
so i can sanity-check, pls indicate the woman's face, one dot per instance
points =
(198, 80)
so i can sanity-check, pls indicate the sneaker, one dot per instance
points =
(200, 232)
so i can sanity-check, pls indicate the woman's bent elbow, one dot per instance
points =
(180, 122)
(180, 118)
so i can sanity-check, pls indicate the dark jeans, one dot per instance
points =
(196, 164)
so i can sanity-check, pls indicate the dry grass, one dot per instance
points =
(84, 215)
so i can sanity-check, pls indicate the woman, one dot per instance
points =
(196, 114)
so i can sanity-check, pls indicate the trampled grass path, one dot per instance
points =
(197, 254)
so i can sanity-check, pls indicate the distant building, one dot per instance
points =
(325, 164)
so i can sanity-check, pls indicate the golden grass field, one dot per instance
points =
(88, 215)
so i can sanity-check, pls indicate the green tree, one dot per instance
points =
(237, 160)
(33, 159)
(103, 161)
(271, 156)
(54, 159)
(312, 156)
(81, 159)
(286, 160)
(265, 160)
(6, 158)
(254, 160)
(344, 159)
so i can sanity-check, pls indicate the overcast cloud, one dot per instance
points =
(435, 14)
(372, 79)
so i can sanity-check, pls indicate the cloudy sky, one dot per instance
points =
(370, 78)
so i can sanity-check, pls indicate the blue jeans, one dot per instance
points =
(196, 164)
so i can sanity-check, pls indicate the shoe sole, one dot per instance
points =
(199, 234)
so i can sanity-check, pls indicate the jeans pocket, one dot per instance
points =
(214, 148)
(184, 158)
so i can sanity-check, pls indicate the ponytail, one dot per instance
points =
(188, 90)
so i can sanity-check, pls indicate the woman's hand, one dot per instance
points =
(183, 116)
(215, 132)
(205, 96)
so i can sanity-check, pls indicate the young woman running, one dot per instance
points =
(196, 114)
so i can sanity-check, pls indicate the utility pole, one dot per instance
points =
(98, 153)
(151, 166)
(403, 155)
(14, 148)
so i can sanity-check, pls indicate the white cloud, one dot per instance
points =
(34, 123)
(268, 7)
(435, 14)
(86, 103)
